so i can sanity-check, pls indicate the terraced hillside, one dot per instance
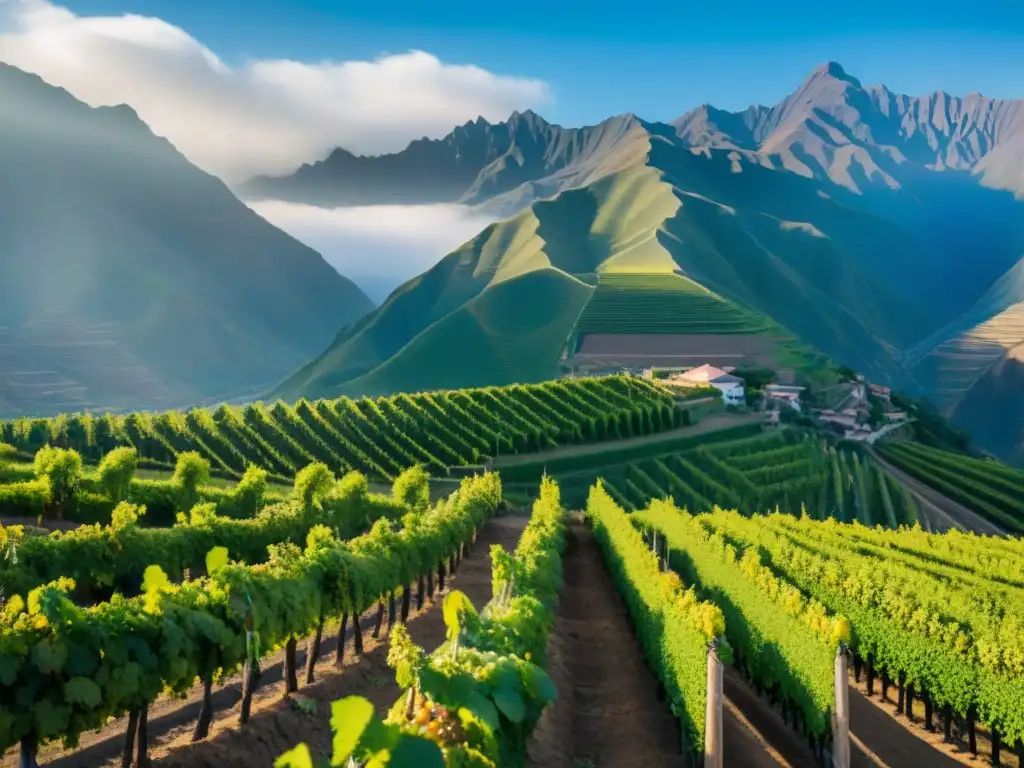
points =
(736, 467)
(379, 437)
(640, 303)
(974, 367)
(993, 490)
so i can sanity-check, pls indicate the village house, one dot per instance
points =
(847, 417)
(730, 386)
(894, 416)
(881, 392)
(783, 395)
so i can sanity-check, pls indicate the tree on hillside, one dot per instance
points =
(116, 472)
(62, 470)
(191, 471)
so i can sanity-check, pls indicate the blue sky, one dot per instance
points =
(655, 59)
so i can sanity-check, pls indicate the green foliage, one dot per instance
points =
(7, 455)
(134, 649)
(934, 609)
(378, 437)
(102, 559)
(191, 471)
(312, 484)
(673, 626)
(782, 638)
(481, 694)
(61, 469)
(116, 471)
(993, 490)
(411, 488)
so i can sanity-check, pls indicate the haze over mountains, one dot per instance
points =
(863, 221)
(130, 278)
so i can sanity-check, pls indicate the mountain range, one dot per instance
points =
(885, 230)
(132, 279)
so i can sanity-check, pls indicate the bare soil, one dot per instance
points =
(609, 711)
(279, 723)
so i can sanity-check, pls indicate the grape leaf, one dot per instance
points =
(349, 718)
(82, 691)
(511, 704)
(216, 559)
(299, 757)
(416, 752)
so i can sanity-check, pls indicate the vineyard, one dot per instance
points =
(378, 437)
(938, 616)
(627, 303)
(995, 491)
(740, 468)
(182, 588)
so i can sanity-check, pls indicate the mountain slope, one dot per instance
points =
(858, 219)
(681, 213)
(473, 164)
(131, 279)
(974, 367)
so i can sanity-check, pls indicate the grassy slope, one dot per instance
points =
(760, 239)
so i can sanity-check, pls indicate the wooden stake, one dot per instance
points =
(841, 728)
(713, 744)
(27, 753)
(358, 639)
(380, 620)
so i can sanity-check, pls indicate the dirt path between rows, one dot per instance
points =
(608, 712)
(943, 513)
(276, 725)
(884, 738)
(709, 424)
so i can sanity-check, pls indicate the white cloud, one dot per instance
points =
(265, 116)
(381, 246)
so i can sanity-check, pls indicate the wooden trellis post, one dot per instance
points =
(841, 724)
(713, 744)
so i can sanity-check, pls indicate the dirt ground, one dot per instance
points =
(278, 724)
(608, 712)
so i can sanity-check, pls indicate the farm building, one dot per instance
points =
(781, 394)
(879, 391)
(706, 375)
(846, 418)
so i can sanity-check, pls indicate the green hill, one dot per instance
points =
(130, 278)
(645, 250)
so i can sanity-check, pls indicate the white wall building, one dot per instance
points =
(730, 386)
